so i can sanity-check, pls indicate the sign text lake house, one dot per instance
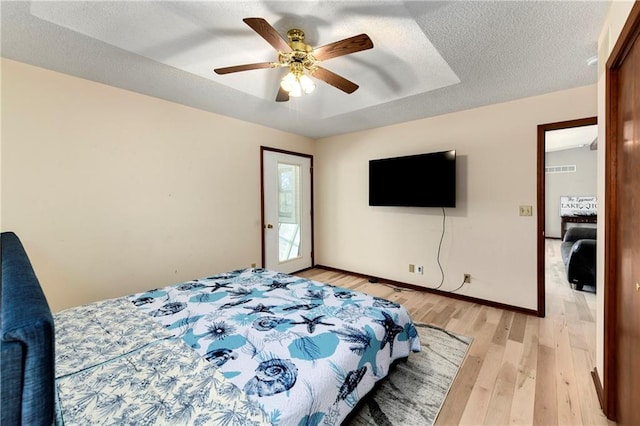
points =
(578, 206)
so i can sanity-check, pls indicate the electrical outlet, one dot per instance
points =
(467, 279)
(412, 267)
(420, 270)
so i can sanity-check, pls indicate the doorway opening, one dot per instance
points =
(566, 198)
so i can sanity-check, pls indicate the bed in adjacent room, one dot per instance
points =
(244, 347)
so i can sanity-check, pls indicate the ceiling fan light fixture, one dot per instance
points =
(289, 81)
(308, 86)
(296, 90)
(296, 83)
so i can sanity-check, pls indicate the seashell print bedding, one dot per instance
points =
(302, 351)
(116, 366)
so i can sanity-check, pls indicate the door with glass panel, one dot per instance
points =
(287, 214)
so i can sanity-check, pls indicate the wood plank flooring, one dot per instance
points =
(521, 369)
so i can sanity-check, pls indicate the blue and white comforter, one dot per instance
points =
(115, 365)
(305, 352)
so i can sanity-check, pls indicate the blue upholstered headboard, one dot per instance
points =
(27, 358)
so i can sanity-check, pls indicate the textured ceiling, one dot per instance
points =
(429, 58)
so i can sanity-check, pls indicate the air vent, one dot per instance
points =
(571, 168)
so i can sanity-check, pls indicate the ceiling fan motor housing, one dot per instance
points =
(300, 57)
(296, 41)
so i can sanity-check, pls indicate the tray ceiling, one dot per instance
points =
(429, 58)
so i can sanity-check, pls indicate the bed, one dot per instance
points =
(249, 346)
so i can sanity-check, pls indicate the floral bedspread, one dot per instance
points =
(116, 366)
(303, 351)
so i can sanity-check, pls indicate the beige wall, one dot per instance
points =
(129, 187)
(618, 14)
(114, 192)
(496, 149)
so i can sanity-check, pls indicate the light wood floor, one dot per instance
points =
(520, 369)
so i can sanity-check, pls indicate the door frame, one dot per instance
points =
(262, 229)
(630, 33)
(542, 131)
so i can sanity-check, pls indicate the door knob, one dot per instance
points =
(637, 286)
(268, 226)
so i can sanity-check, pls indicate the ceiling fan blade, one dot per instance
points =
(335, 80)
(343, 47)
(246, 67)
(267, 32)
(282, 96)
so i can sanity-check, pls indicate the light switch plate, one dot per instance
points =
(526, 210)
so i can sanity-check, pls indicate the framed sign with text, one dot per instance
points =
(578, 206)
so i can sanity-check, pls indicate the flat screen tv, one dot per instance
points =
(424, 180)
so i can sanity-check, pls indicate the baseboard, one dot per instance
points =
(598, 385)
(438, 292)
(302, 270)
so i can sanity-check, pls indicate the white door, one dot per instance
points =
(287, 211)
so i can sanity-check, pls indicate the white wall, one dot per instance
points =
(583, 182)
(618, 14)
(485, 236)
(114, 192)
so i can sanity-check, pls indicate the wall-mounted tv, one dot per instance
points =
(424, 180)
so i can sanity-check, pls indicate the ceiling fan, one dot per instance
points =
(302, 60)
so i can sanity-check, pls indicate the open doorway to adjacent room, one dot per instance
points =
(567, 211)
(567, 218)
